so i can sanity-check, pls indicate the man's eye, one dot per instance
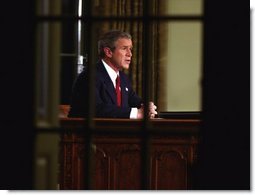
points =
(126, 48)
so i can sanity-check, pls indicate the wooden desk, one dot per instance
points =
(117, 157)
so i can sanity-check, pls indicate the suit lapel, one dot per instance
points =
(111, 91)
(107, 82)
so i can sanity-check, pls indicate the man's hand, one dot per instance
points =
(151, 111)
(140, 112)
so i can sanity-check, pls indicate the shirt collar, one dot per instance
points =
(111, 72)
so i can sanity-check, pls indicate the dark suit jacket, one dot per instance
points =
(105, 96)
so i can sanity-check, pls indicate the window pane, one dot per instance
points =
(49, 7)
(183, 58)
(47, 73)
(181, 7)
(117, 8)
(47, 161)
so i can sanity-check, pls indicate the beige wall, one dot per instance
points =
(183, 59)
(182, 7)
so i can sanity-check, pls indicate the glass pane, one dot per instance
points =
(97, 8)
(182, 61)
(57, 64)
(181, 7)
(69, 55)
(52, 8)
(47, 73)
(47, 161)
(117, 8)
(174, 57)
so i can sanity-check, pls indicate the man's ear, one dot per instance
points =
(108, 52)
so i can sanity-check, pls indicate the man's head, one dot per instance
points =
(115, 47)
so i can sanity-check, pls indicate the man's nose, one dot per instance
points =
(129, 53)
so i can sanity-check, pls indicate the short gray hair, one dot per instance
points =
(108, 40)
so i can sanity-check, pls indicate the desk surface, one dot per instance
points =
(173, 125)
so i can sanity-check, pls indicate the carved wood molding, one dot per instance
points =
(181, 154)
(127, 148)
(68, 180)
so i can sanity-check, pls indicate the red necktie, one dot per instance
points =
(118, 93)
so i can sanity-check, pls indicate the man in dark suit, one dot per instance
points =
(115, 97)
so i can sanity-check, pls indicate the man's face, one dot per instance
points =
(121, 56)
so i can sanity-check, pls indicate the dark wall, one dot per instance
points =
(17, 94)
(224, 153)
